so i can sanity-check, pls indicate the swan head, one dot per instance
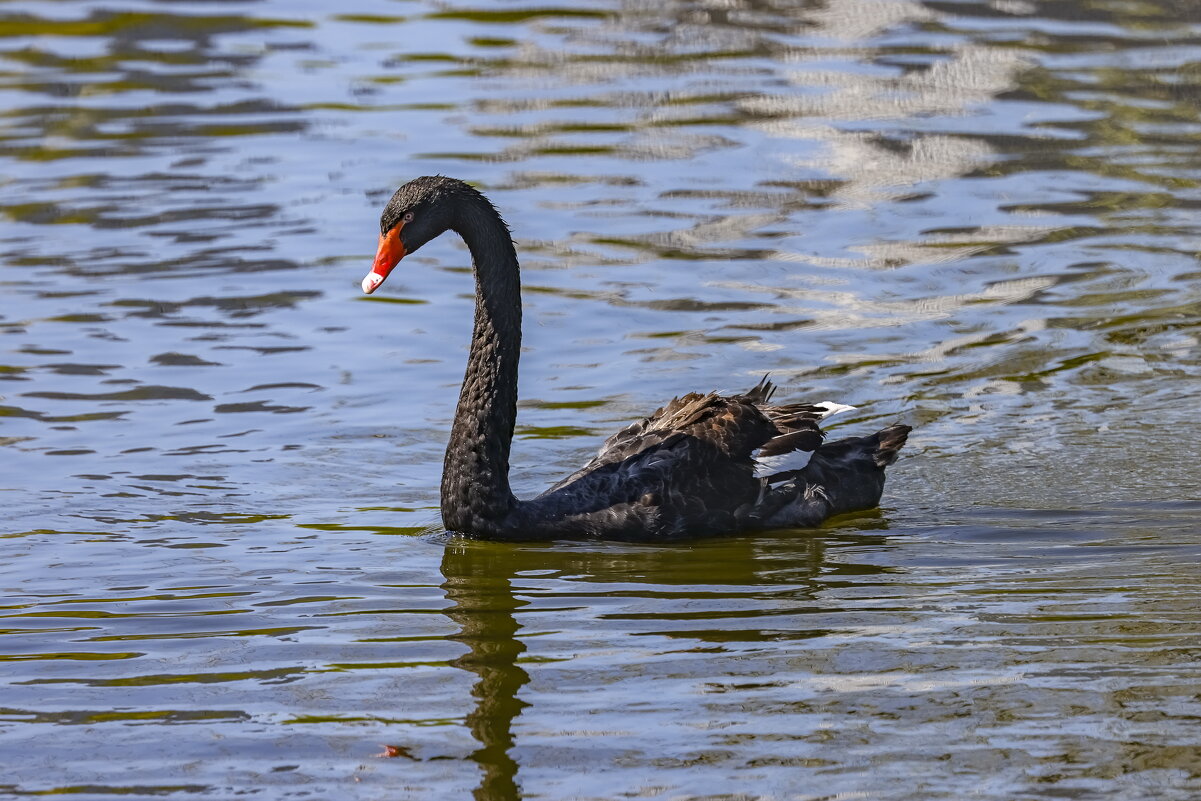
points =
(420, 210)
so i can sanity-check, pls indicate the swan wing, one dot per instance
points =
(733, 426)
(771, 441)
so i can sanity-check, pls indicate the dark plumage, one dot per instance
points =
(701, 465)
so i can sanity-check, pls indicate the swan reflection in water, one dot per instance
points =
(744, 596)
(484, 607)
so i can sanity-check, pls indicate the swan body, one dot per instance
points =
(703, 464)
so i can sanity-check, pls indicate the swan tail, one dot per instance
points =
(842, 476)
(889, 442)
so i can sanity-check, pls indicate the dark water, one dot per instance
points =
(220, 460)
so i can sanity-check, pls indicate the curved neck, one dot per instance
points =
(476, 497)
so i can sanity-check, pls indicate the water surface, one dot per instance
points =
(220, 462)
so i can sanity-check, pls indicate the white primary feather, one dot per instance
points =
(766, 466)
(833, 408)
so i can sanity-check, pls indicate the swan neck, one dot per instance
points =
(476, 498)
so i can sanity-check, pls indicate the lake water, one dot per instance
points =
(221, 572)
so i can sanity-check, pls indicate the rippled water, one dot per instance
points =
(220, 461)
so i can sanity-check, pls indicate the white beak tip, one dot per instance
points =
(372, 282)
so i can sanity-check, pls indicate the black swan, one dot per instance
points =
(701, 465)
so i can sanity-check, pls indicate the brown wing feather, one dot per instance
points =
(735, 425)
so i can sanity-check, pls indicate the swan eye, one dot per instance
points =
(408, 218)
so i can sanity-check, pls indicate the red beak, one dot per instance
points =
(390, 251)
